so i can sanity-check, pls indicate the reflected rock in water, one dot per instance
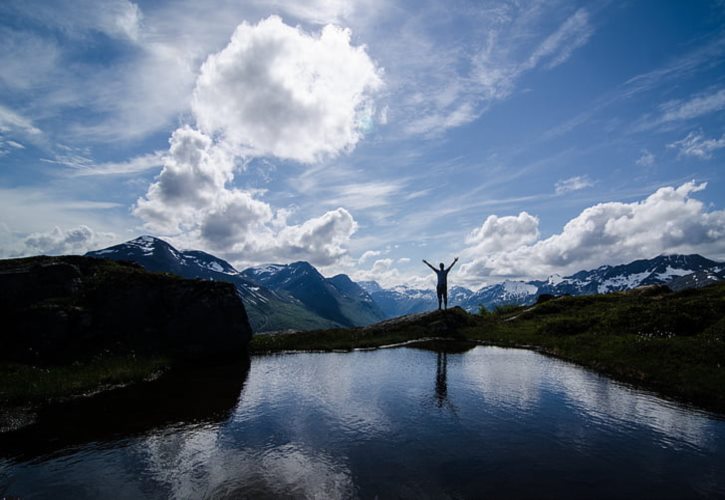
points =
(192, 396)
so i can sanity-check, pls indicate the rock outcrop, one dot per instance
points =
(59, 309)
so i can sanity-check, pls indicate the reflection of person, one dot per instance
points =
(442, 287)
(441, 383)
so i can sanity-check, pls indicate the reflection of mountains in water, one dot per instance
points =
(200, 396)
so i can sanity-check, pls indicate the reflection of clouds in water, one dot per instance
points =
(190, 463)
(198, 464)
(504, 377)
(181, 461)
(346, 386)
(618, 405)
(520, 379)
(367, 423)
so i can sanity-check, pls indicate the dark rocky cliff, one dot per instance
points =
(58, 309)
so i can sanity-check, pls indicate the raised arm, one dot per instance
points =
(452, 264)
(428, 264)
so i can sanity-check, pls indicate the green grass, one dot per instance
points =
(22, 384)
(673, 343)
(434, 324)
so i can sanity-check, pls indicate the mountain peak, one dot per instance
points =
(150, 244)
(370, 286)
(302, 265)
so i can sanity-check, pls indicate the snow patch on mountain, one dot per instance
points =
(672, 272)
(518, 288)
(145, 243)
(622, 282)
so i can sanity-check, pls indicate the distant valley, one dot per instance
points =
(297, 297)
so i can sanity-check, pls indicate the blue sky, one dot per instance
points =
(528, 138)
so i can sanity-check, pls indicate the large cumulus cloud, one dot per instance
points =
(671, 220)
(285, 93)
(277, 91)
(193, 201)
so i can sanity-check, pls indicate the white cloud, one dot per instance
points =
(12, 122)
(193, 202)
(82, 166)
(368, 255)
(455, 85)
(559, 46)
(572, 184)
(123, 98)
(362, 195)
(679, 110)
(320, 239)
(8, 145)
(115, 18)
(17, 49)
(696, 145)
(646, 159)
(282, 92)
(403, 260)
(381, 271)
(670, 220)
(498, 234)
(273, 90)
(696, 106)
(24, 211)
(77, 240)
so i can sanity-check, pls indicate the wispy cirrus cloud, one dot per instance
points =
(573, 184)
(680, 67)
(13, 122)
(698, 146)
(683, 110)
(81, 165)
(460, 84)
(646, 159)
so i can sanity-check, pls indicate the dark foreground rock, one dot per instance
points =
(60, 309)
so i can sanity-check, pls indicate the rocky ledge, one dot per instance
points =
(61, 309)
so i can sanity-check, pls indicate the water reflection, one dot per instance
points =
(367, 424)
(192, 397)
(441, 383)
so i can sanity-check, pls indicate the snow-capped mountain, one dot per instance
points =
(402, 300)
(507, 292)
(458, 295)
(698, 279)
(296, 296)
(662, 270)
(267, 310)
(338, 299)
(370, 286)
(678, 271)
(157, 255)
(605, 279)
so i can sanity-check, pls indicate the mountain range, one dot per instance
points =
(296, 296)
(277, 297)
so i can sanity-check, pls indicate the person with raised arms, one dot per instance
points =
(442, 287)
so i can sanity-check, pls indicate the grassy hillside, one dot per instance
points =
(673, 343)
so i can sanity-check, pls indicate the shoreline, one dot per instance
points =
(670, 344)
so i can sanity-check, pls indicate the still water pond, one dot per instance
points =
(489, 422)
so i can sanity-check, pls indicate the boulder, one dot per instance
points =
(61, 309)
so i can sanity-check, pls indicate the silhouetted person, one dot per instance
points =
(442, 287)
